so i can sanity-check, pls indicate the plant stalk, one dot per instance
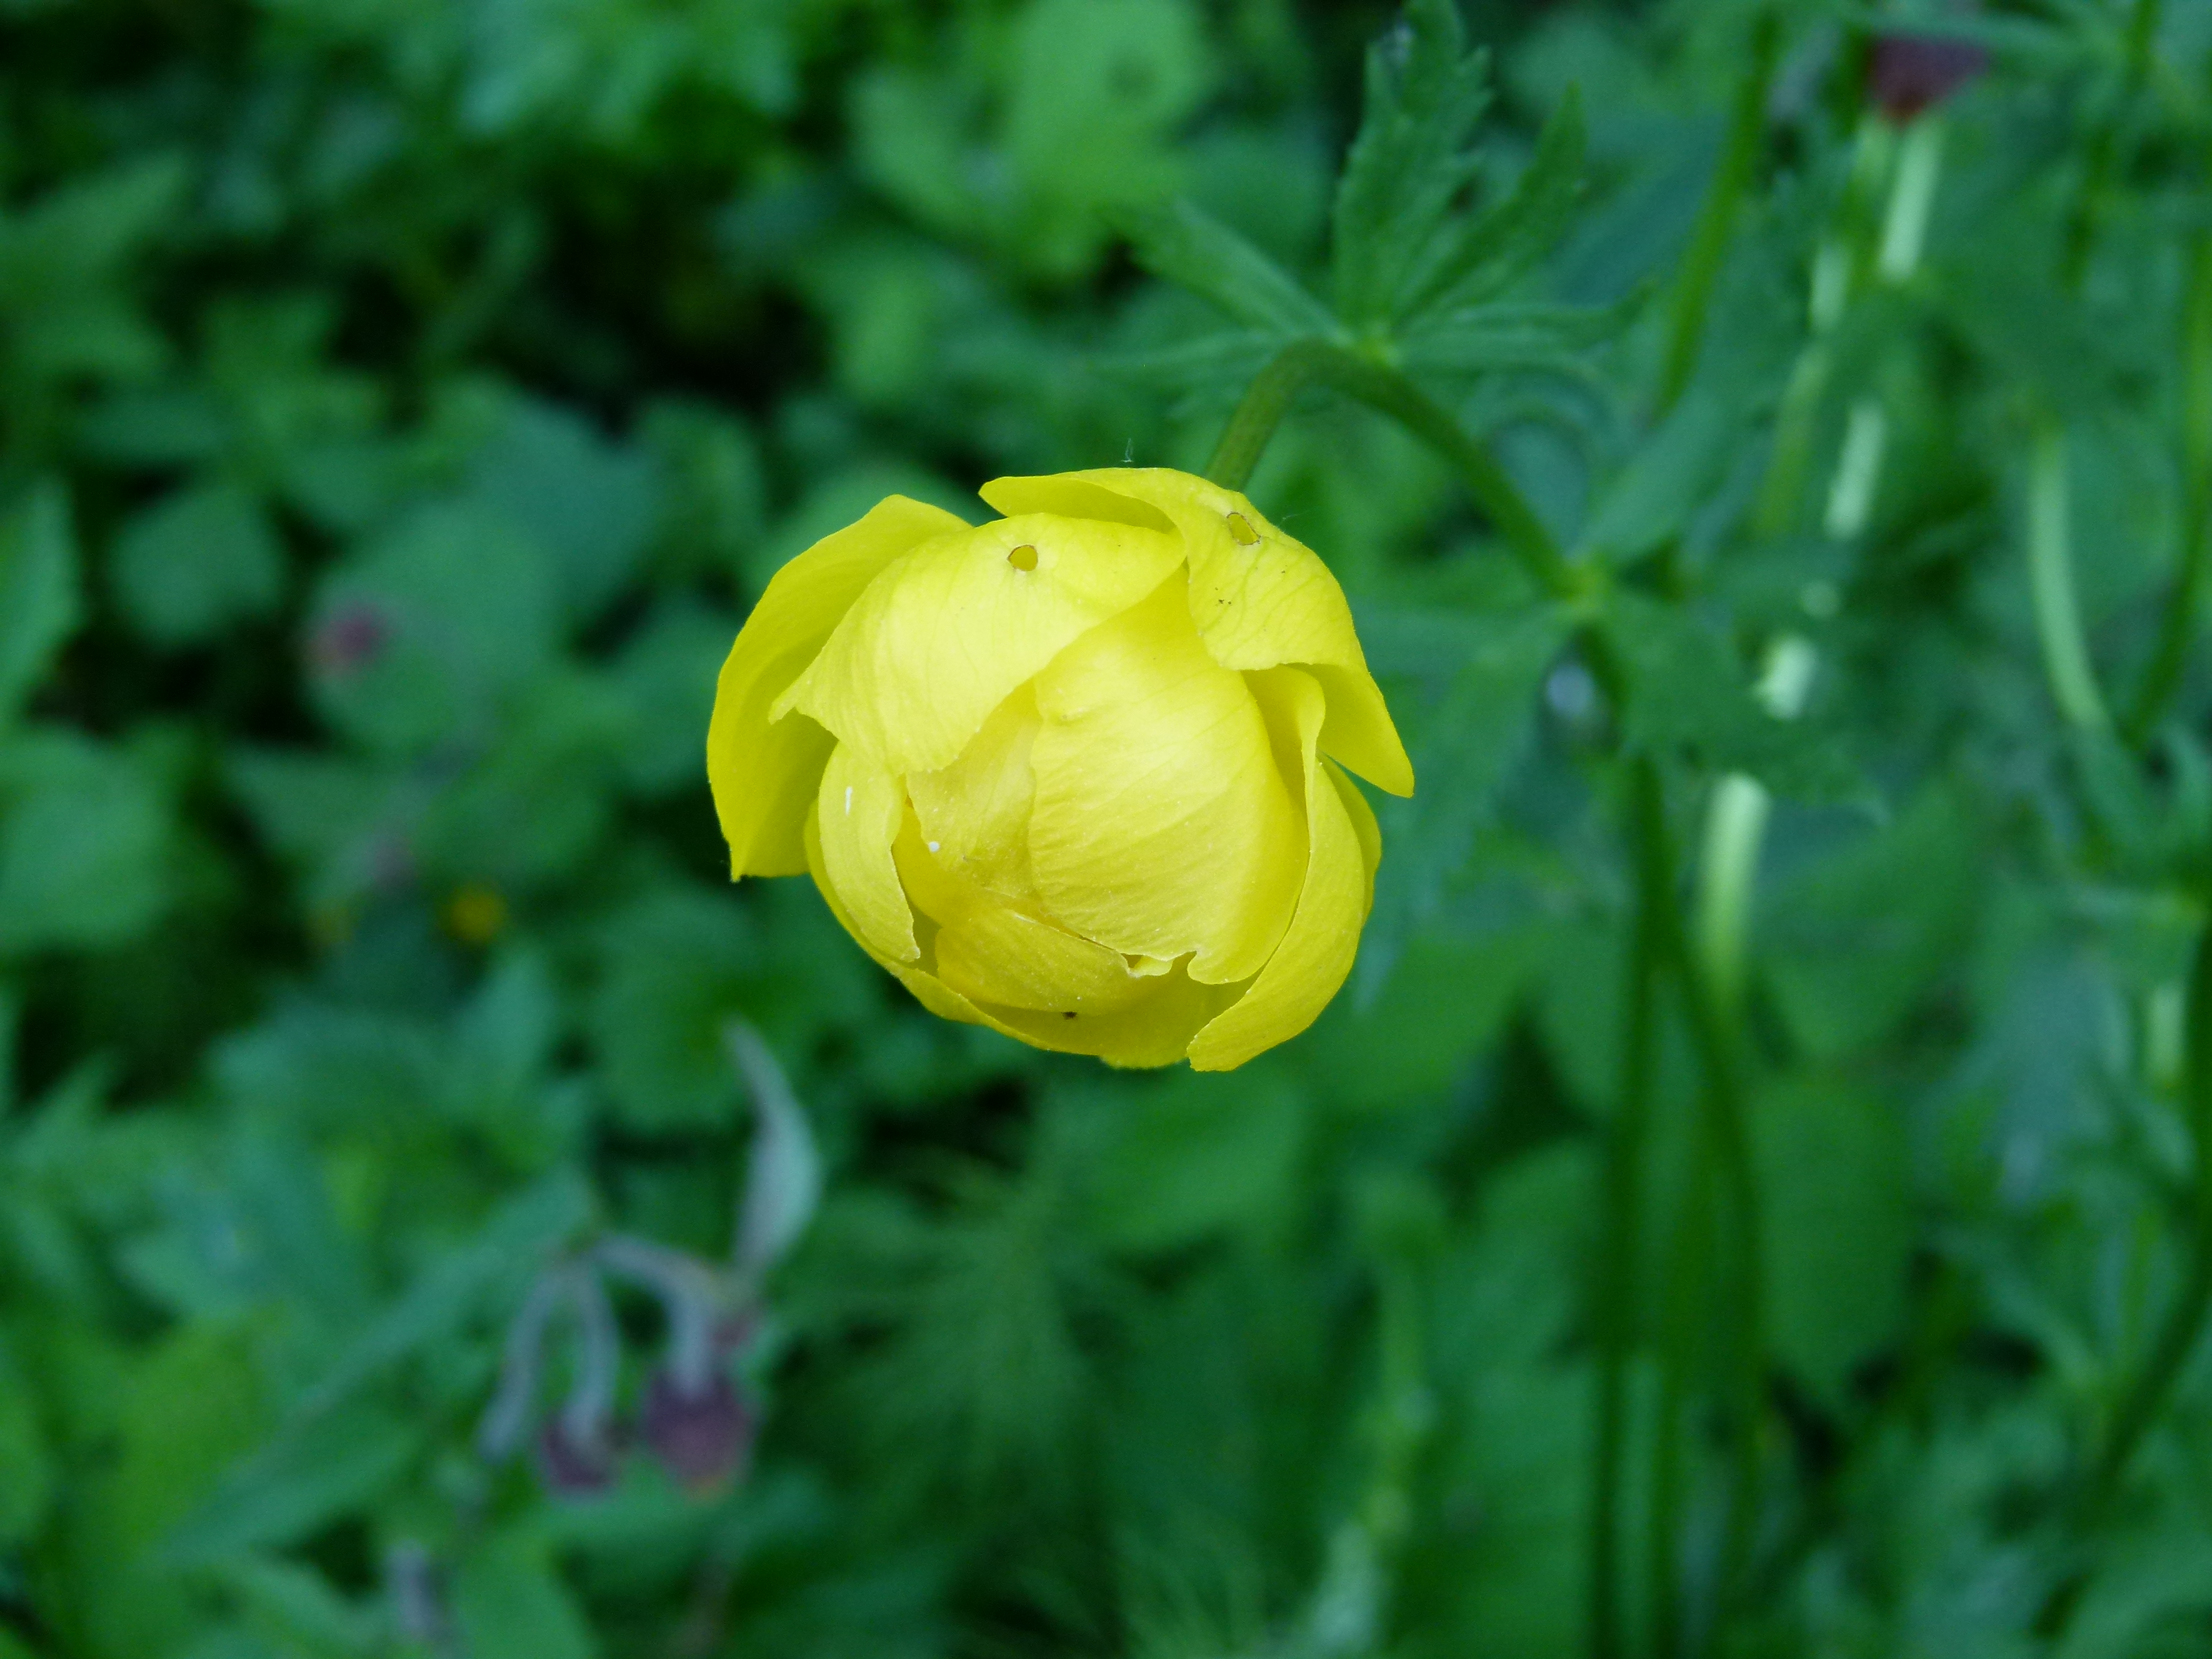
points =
(2177, 628)
(2050, 583)
(1716, 217)
(2184, 1324)
(1623, 1217)
(1323, 362)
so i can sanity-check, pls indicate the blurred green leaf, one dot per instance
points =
(1196, 1158)
(676, 969)
(322, 1467)
(39, 602)
(27, 1468)
(1185, 243)
(84, 842)
(1831, 1168)
(511, 1604)
(196, 562)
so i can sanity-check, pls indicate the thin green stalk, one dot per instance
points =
(1728, 1123)
(1623, 1192)
(2184, 1324)
(1690, 1251)
(2050, 582)
(1266, 402)
(1716, 217)
(2104, 148)
(2178, 625)
(1322, 362)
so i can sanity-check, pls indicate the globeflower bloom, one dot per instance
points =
(1073, 774)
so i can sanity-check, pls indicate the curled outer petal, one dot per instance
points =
(1310, 964)
(762, 772)
(946, 633)
(1260, 598)
(860, 808)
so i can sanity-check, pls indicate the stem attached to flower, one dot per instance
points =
(1709, 242)
(1322, 362)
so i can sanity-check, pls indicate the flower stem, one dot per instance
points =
(2050, 582)
(1623, 1178)
(1713, 1033)
(2178, 625)
(1716, 217)
(1304, 362)
(2185, 1324)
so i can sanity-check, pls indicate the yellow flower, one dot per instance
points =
(1073, 774)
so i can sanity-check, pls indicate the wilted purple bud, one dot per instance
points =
(347, 639)
(572, 1465)
(1909, 74)
(704, 1437)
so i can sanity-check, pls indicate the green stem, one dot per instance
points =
(2184, 1324)
(2103, 149)
(1728, 1123)
(1623, 1221)
(1690, 1253)
(2178, 626)
(1322, 362)
(2050, 582)
(1709, 241)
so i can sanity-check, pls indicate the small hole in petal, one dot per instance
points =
(1067, 1013)
(1241, 528)
(1022, 557)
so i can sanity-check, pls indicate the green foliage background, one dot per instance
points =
(402, 400)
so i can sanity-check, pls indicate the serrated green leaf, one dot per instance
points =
(1477, 259)
(1425, 94)
(1183, 243)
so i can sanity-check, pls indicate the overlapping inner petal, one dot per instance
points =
(1161, 824)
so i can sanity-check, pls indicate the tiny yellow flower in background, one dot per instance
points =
(1073, 774)
(474, 914)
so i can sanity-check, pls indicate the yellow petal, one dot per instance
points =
(1317, 952)
(990, 951)
(1156, 1031)
(946, 633)
(859, 809)
(924, 986)
(763, 774)
(975, 813)
(1363, 824)
(1153, 1033)
(1260, 598)
(1162, 824)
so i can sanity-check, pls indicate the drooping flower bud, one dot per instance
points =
(703, 1435)
(349, 639)
(1073, 774)
(1911, 74)
(573, 1464)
